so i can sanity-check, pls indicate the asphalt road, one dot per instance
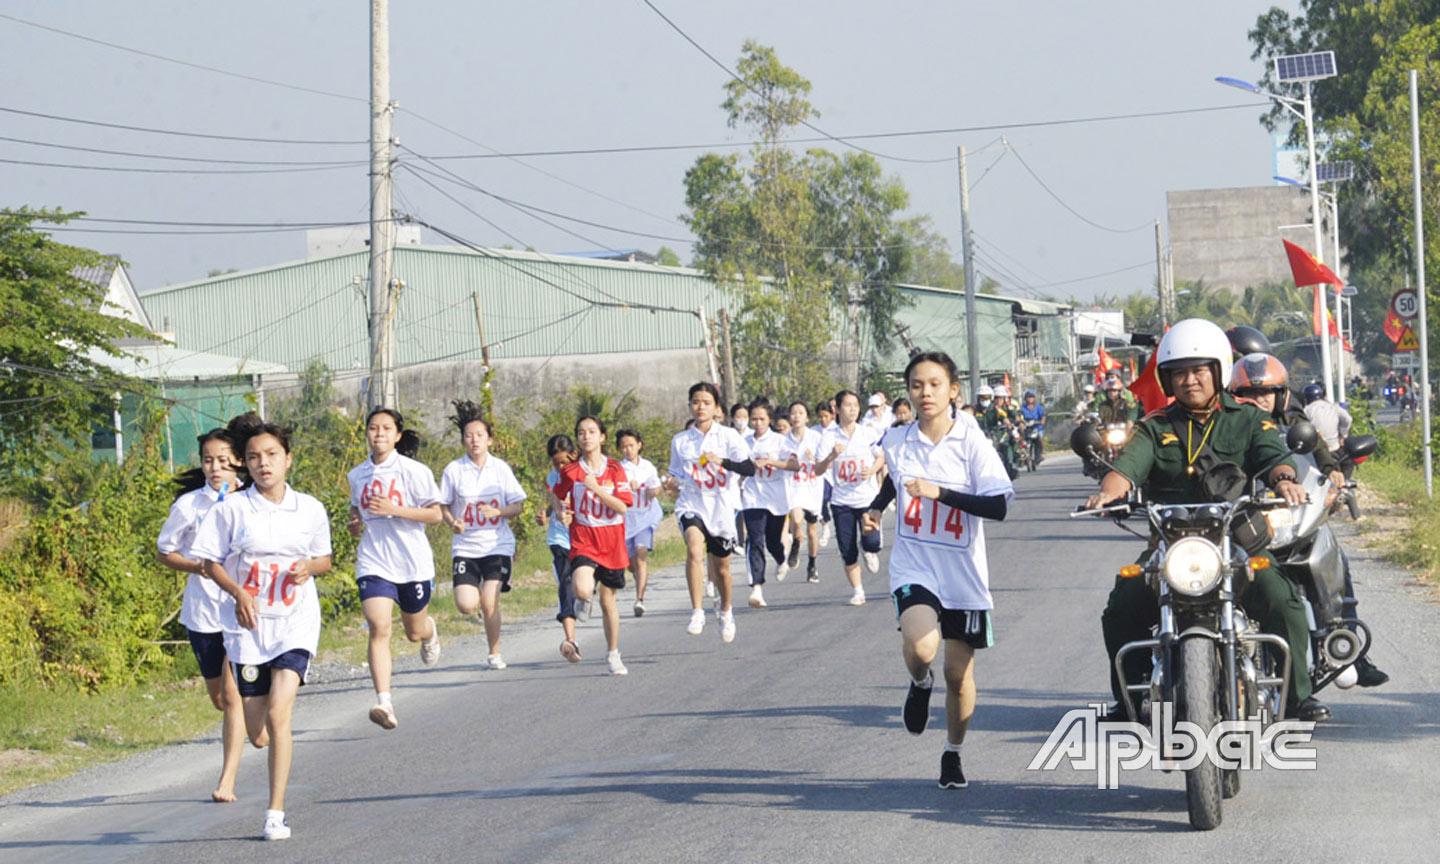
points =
(784, 746)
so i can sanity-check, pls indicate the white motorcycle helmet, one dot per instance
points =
(985, 391)
(1089, 389)
(1191, 340)
(1002, 390)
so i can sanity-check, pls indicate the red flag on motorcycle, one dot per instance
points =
(1147, 389)
(1105, 364)
(1307, 270)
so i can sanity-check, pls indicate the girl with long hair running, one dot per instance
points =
(804, 490)
(763, 501)
(561, 450)
(704, 462)
(263, 546)
(853, 458)
(392, 499)
(200, 489)
(600, 494)
(948, 479)
(481, 496)
(644, 516)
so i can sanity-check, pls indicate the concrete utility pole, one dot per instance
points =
(383, 390)
(1420, 283)
(972, 345)
(732, 387)
(1160, 278)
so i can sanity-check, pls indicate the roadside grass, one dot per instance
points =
(1395, 474)
(46, 735)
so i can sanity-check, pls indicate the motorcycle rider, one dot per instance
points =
(995, 421)
(1261, 379)
(1033, 413)
(1331, 420)
(1085, 405)
(1194, 362)
(1115, 409)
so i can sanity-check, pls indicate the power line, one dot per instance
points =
(1098, 275)
(154, 131)
(171, 158)
(88, 218)
(1076, 213)
(187, 63)
(128, 170)
(806, 123)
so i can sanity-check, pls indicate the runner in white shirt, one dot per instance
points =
(878, 415)
(262, 546)
(764, 501)
(825, 414)
(480, 495)
(704, 460)
(644, 517)
(949, 479)
(804, 489)
(392, 499)
(200, 489)
(853, 458)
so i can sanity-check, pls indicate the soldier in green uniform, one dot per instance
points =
(1114, 408)
(995, 421)
(1194, 361)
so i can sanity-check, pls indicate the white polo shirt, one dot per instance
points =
(256, 541)
(200, 607)
(393, 548)
(766, 490)
(849, 488)
(464, 488)
(804, 488)
(937, 547)
(644, 513)
(708, 492)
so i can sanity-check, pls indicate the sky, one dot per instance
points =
(571, 74)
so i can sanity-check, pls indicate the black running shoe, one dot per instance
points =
(1367, 675)
(916, 711)
(811, 573)
(794, 559)
(951, 777)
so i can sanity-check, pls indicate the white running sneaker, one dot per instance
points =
(430, 648)
(757, 597)
(727, 626)
(616, 666)
(383, 715)
(858, 598)
(872, 562)
(275, 826)
(824, 535)
(709, 588)
(496, 662)
(639, 608)
(697, 622)
(782, 571)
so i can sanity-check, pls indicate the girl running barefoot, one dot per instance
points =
(561, 450)
(804, 490)
(481, 496)
(201, 489)
(392, 499)
(642, 518)
(764, 501)
(703, 459)
(262, 546)
(948, 479)
(601, 493)
(853, 457)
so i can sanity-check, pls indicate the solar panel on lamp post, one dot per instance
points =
(1303, 69)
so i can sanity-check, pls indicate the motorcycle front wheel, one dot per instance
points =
(1197, 701)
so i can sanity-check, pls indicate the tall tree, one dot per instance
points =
(52, 388)
(804, 240)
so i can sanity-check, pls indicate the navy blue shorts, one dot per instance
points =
(209, 651)
(474, 571)
(412, 596)
(255, 680)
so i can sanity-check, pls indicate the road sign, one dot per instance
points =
(1406, 362)
(1408, 341)
(1405, 303)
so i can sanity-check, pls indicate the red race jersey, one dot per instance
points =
(597, 532)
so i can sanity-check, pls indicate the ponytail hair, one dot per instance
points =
(409, 443)
(468, 412)
(249, 425)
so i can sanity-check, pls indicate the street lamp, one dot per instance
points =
(1302, 69)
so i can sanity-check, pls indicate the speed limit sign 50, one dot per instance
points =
(1405, 303)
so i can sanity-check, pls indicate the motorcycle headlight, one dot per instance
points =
(1193, 566)
(1115, 437)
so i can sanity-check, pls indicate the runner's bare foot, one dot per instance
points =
(223, 796)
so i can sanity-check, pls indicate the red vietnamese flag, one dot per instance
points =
(1146, 388)
(1308, 271)
(1321, 313)
(1394, 327)
(1104, 364)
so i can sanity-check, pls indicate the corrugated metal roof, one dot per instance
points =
(532, 304)
(162, 361)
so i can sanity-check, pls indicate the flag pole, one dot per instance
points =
(1420, 283)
